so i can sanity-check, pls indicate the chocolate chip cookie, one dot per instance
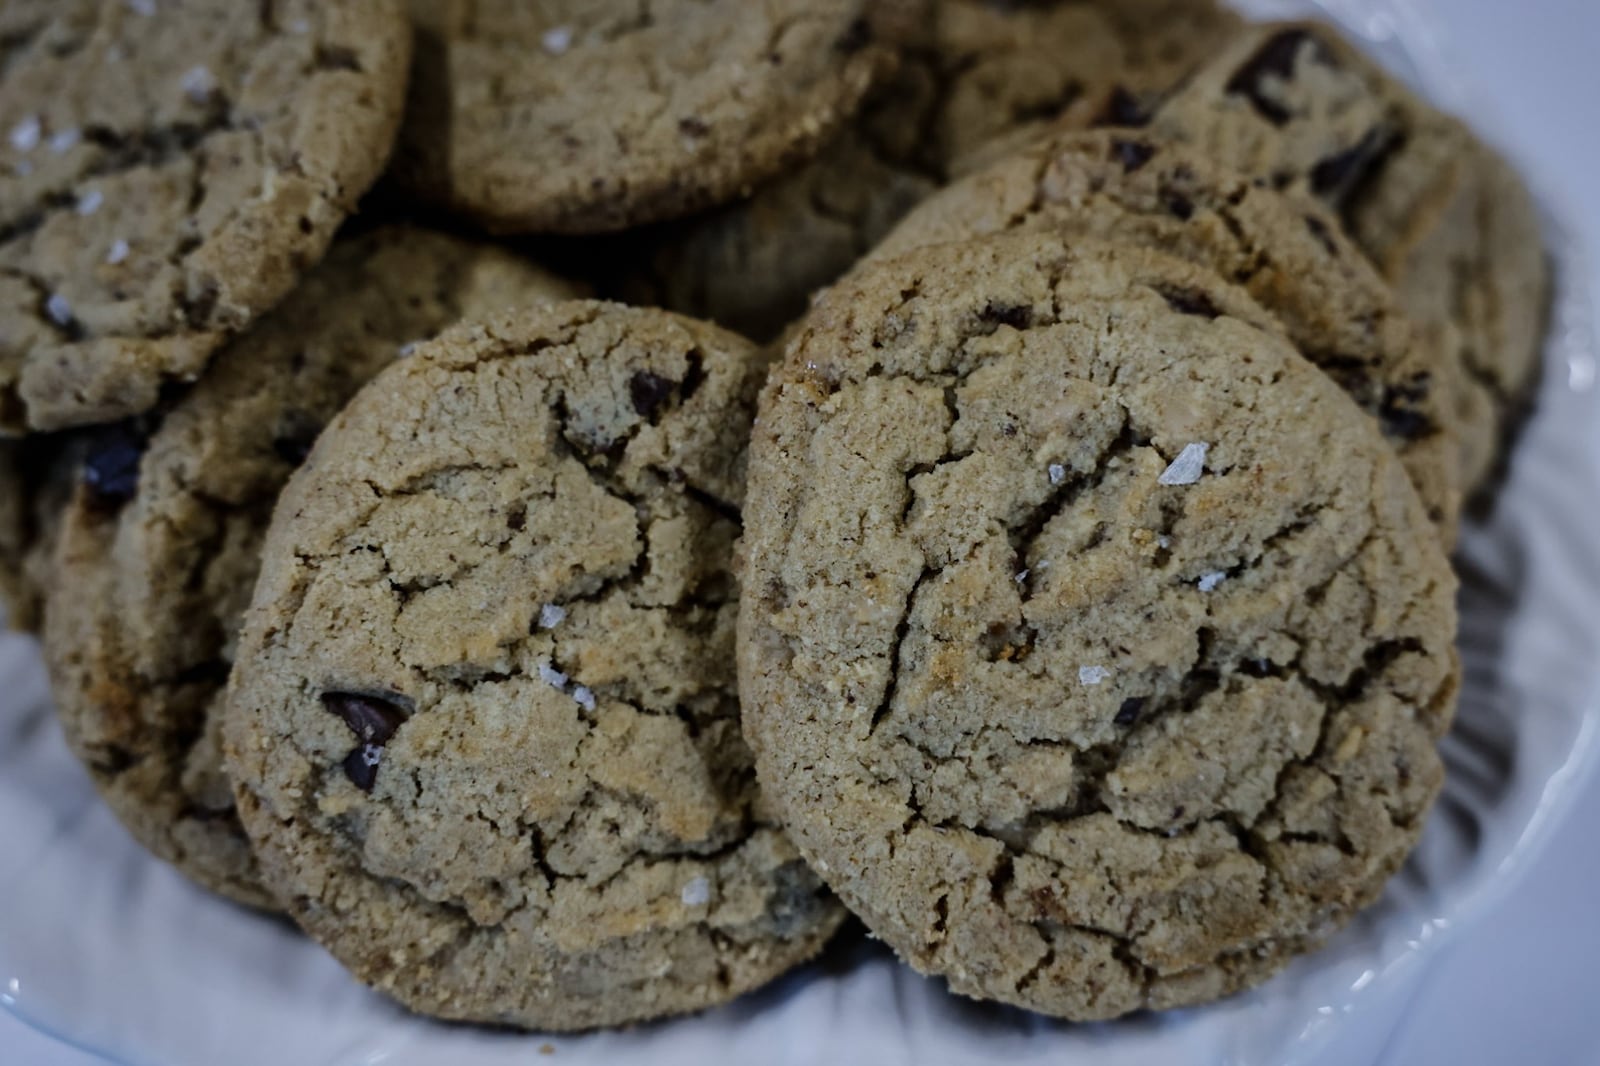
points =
(578, 116)
(483, 726)
(169, 169)
(164, 534)
(1442, 215)
(978, 78)
(1094, 646)
(1288, 252)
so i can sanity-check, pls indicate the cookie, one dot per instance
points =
(483, 726)
(979, 78)
(1094, 646)
(1285, 250)
(163, 537)
(169, 170)
(36, 478)
(582, 116)
(1442, 215)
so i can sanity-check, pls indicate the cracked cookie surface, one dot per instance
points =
(1445, 218)
(1094, 647)
(978, 75)
(1286, 250)
(169, 171)
(484, 727)
(163, 535)
(578, 116)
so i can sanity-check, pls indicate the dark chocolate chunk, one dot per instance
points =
(1130, 710)
(1276, 57)
(1132, 154)
(111, 465)
(1124, 109)
(1179, 204)
(1189, 302)
(1319, 229)
(1014, 315)
(337, 57)
(1400, 420)
(1335, 177)
(374, 721)
(856, 36)
(361, 766)
(649, 391)
(297, 432)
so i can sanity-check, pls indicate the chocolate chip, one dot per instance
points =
(1189, 302)
(1016, 316)
(297, 432)
(337, 57)
(1179, 204)
(856, 36)
(111, 760)
(374, 721)
(1129, 713)
(1397, 409)
(111, 467)
(1132, 154)
(1400, 420)
(1319, 229)
(649, 391)
(361, 766)
(1123, 109)
(1276, 57)
(1337, 176)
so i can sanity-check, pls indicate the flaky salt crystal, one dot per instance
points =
(1187, 467)
(697, 893)
(551, 615)
(199, 83)
(1092, 675)
(58, 309)
(25, 134)
(556, 40)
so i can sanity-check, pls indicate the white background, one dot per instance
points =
(1520, 988)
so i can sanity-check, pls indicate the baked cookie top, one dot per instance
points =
(164, 534)
(483, 726)
(1286, 250)
(977, 79)
(170, 168)
(1443, 216)
(578, 116)
(1094, 647)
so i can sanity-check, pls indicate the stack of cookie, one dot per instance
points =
(1004, 487)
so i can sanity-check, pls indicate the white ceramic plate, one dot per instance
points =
(113, 952)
